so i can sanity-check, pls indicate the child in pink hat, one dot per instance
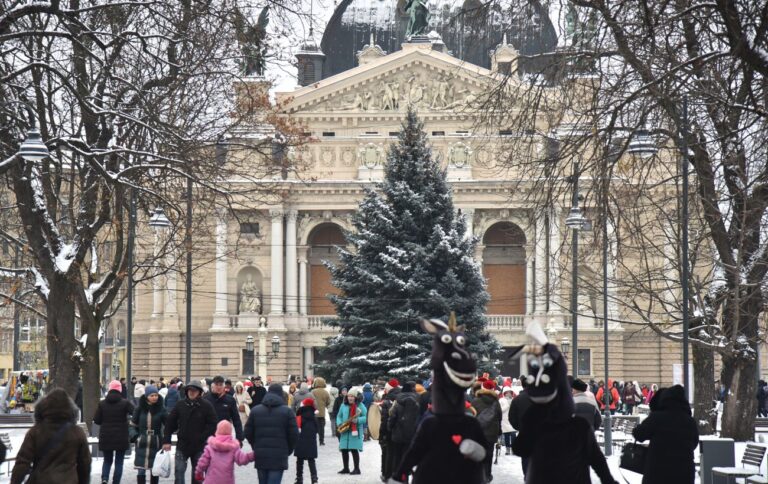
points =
(217, 464)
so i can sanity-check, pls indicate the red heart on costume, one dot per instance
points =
(456, 439)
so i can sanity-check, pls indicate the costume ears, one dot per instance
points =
(433, 326)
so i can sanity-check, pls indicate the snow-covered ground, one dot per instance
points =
(507, 471)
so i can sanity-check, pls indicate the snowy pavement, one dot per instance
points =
(507, 471)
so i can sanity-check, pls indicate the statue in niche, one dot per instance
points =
(250, 299)
(418, 20)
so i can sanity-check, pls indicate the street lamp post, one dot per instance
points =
(575, 221)
(684, 249)
(188, 244)
(131, 237)
(565, 347)
(263, 356)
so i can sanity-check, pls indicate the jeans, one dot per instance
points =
(270, 476)
(118, 456)
(321, 429)
(509, 438)
(181, 467)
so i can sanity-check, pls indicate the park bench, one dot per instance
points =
(757, 480)
(16, 419)
(753, 457)
(761, 424)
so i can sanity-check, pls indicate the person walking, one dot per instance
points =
(762, 396)
(112, 416)
(225, 406)
(585, 404)
(517, 410)
(391, 391)
(673, 437)
(257, 392)
(55, 450)
(488, 409)
(402, 423)
(507, 431)
(631, 396)
(194, 419)
(146, 430)
(306, 447)
(217, 464)
(337, 405)
(243, 401)
(272, 432)
(334, 392)
(322, 404)
(351, 417)
(367, 401)
(300, 395)
(613, 397)
(172, 397)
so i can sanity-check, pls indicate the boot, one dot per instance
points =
(154, 480)
(509, 451)
(141, 479)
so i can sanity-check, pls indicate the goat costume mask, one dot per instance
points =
(449, 446)
(561, 447)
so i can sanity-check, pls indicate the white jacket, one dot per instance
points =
(505, 425)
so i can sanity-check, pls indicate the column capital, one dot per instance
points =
(291, 215)
(276, 214)
(467, 211)
(303, 252)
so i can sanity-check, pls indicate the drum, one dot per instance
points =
(374, 421)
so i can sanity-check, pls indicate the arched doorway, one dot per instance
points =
(323, 241)
(504, 268)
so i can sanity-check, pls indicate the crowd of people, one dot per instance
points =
(211, 419)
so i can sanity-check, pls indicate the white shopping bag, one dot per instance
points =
(162, 465)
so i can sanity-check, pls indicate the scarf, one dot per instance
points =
(352, 412)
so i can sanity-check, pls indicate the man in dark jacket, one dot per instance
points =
(391, 391)
(402, 423)
(520, 404)
(257, 392)
(225, 406)
(585, 404)
(195, 420)
(673, 437)
(272, 432)
(488, 410)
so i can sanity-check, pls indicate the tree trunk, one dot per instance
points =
(91, 375)
(741, 404)
(63, 363)
(703, 389)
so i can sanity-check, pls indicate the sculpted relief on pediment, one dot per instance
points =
(425, 91)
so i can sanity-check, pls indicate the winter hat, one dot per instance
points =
(420, 388)
(393, 383)
(506, 389)
(150, 390)
(408, 387)
(579, 385)
(367, 387)
(276, 388)
(489, 385)
(308, 402)
(353, 392)
(247, 383)
(115, 385)
(304, 387)
(224, 428)
(194, 384)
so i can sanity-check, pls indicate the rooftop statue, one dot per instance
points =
(419, 18)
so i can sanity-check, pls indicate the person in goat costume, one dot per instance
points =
(560, 446)
(449, 446)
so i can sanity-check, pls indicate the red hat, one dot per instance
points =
(247, 383)
(481, 379)
(394, 383)
(308, 402)
(489, 385)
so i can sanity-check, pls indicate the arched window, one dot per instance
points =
(323, 241)
(504, 268)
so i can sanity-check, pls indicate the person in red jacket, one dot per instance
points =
(613, 398)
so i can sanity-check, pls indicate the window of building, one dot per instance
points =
(438, 133)
(249, 228)
(394, 133)
(505, 132)
(585, 362)
(329, 134)
(248, 362)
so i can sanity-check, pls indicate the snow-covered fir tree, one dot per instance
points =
(409, 258)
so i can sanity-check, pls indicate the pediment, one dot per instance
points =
(428, 80)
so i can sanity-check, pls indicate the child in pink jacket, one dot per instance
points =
(216, 465)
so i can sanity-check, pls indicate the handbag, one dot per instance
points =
(162, 465)
(633, 457)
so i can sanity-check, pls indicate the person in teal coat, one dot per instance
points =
(351, 440)
(146, 431)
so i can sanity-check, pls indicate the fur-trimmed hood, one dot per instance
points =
(223, 443)
(56, 407)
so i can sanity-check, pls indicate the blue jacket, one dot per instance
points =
(367, 396)
(272, 432)
(171, 398)
(347, 441)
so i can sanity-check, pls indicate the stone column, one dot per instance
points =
(530, 286)
(303, 288)
(469, 216)
(479, 255)
(291, 268)
(276, 254)
(157, 286)
(554, 260)
(221, 263)
(308, 362)
(171, 278)
(542, 291)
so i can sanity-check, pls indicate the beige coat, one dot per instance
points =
(244, 400)
(322, 397)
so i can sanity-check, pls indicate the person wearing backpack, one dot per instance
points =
(486, 404)
(402, 422)
(55, 445)
(613, 397)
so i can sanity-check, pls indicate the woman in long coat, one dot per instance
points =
(112, 417)
(243, 402)
(351, 441)
(147, 431)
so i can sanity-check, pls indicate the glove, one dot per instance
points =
(199, 477)
(472, 450)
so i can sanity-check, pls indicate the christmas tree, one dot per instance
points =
(409, 259)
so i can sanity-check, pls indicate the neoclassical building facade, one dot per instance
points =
(262, 273)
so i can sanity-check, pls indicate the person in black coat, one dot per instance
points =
(195, 420)
(272, 432)
(401, 423)
(172, 397)
(520, 404)
(112, 416)
(673, 438)
(391, 391)
(257, 392)
(486, 404)
(225, 406)
(306, 447)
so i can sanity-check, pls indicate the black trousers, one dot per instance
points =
(396, 453)
(355, 458)
(300, 470)
(321, 429)
(488, 461)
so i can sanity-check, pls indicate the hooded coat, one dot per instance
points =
(112, 417)
(487, 399)
(194, 420)
(243, 401)
(68, 459)
(322, 397)
(219, 457)
(300, 395)
(171, 397)
(673, 438)
(147, 430)
(271, 429)
(306, 447)
(403, 417)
